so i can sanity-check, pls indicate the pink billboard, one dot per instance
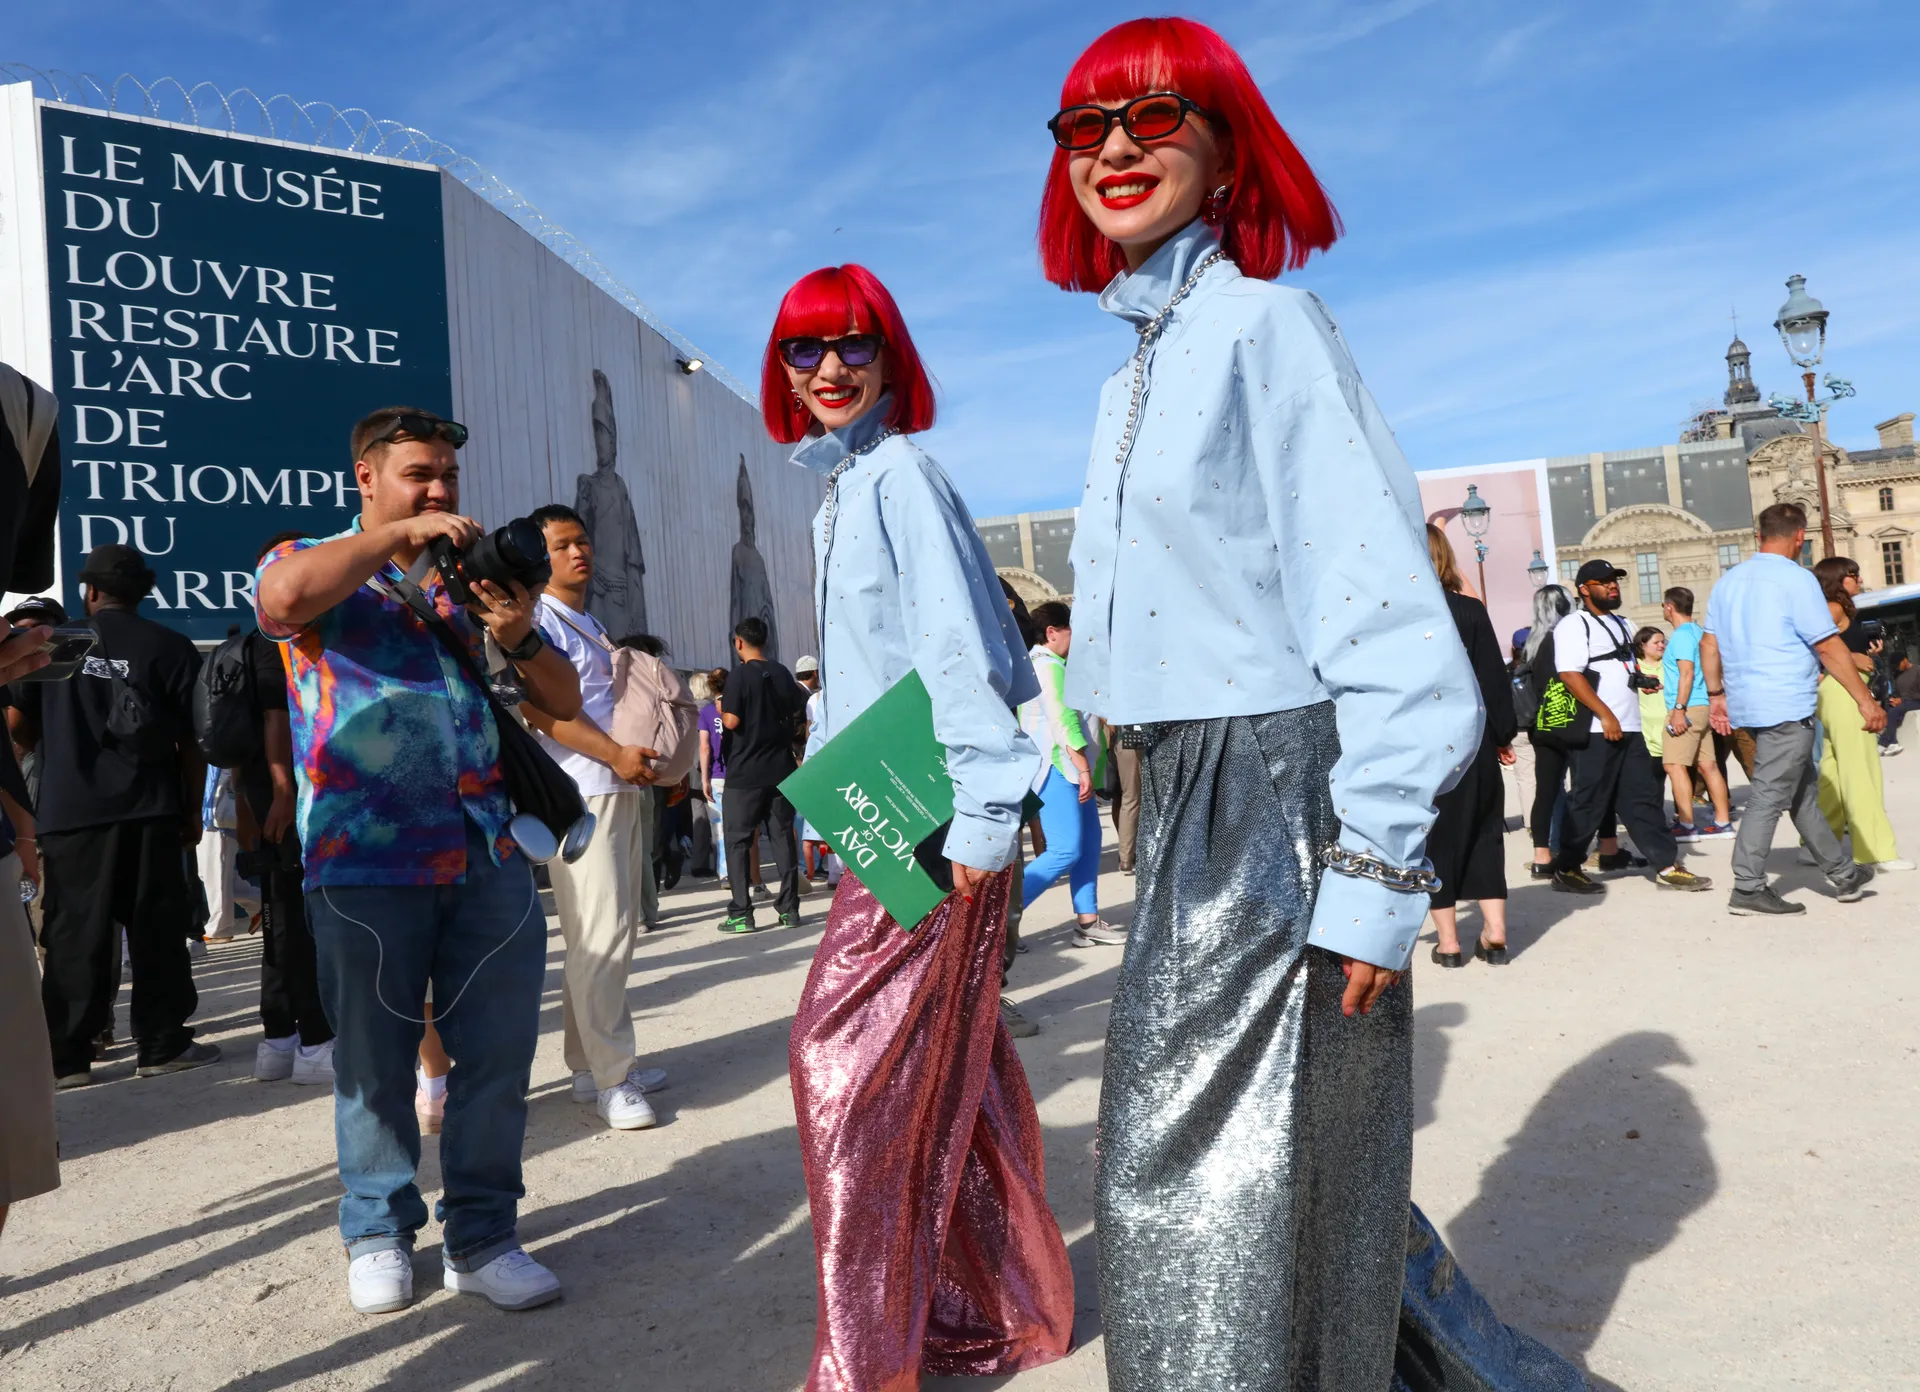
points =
(1519, 524)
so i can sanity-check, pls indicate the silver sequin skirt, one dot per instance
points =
(1255, 1145)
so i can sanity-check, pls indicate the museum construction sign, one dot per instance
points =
(214, 309)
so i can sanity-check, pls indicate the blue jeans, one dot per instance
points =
(1073, 845)
(483, 946)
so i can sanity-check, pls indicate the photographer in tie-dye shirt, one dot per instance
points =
(411, 879)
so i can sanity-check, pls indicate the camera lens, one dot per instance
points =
(517, 551)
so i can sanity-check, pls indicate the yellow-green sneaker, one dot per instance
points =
(1677, 878)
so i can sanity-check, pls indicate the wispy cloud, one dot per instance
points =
(1550, 207)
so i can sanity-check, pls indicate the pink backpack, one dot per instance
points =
(653, 707)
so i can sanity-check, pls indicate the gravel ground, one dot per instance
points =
(1677, 1145)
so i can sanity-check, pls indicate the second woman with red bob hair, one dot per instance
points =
(936, 1250)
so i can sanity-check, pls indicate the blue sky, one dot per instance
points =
(1551, 207)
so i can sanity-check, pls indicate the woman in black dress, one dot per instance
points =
(1465, 844)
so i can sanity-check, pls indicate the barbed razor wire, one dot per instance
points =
(356, 131)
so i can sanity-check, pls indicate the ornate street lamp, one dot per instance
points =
(1476, 515)
(1802, 323)
(1538, 570)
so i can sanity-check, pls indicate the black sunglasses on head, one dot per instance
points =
(1152, 117)
(422, 427)
(855, 350)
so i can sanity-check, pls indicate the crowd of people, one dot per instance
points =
(1782, 676)
(1304, 763)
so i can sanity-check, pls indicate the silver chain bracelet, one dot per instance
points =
(1409, 879)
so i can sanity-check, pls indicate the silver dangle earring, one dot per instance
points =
(1213, 212)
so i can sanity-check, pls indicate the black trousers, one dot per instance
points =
(1549, 776)
(99, 879)
(1467, 842)
(289, 973)
(743, 811)
(1616, 774)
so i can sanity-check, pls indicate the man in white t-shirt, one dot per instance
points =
(1593, 651)
(605, 896)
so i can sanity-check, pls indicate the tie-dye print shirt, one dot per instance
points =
(394, 746)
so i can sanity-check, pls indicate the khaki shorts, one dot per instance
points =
(1683, 751)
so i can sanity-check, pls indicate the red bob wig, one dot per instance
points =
(1278, 214)
(832, 301)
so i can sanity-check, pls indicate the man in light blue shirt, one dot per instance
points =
(1768, 634)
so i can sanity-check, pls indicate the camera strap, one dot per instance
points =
(500, 681)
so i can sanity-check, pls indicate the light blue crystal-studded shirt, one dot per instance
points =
(905, 584)
(1263, 548)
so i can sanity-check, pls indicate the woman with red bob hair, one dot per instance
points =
(1255, 612)
(935, 1248)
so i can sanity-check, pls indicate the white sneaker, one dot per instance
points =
(315, 1067)
(646, 1079)
(625, 1108)
(512, 1281)
(1882, 866)
(196, 949)
(1888, 750)
(380, 1282)
(271, 1065)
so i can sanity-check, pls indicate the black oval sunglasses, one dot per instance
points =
(1155, 116)
(806, 353)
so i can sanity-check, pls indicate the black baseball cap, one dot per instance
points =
(117, 561)
(1598, 570)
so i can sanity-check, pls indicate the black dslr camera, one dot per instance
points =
(517, 551)
(1638, 680)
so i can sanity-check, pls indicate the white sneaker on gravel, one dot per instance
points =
(271, 1065)
(625, 1108)
(314, 1067)
(512, 1281)
(381, 1282)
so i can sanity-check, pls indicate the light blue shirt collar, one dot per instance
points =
(821, 452)
(1139, 295)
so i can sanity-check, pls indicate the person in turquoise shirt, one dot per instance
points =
(1685, 750)
(1069, 815)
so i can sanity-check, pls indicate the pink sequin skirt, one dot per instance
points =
(936, 1250)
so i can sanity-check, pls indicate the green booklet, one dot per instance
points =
(878, 789)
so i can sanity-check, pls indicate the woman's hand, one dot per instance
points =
(1506, 755)
(966, 880)
(1366, 983)
(1083, 772)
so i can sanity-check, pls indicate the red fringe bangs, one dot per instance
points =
(827, 303)
(1279, 214)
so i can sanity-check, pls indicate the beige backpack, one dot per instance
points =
(653, 707)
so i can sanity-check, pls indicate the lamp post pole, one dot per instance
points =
(1820, 467)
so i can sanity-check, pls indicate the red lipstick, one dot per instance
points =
(1139, 188)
